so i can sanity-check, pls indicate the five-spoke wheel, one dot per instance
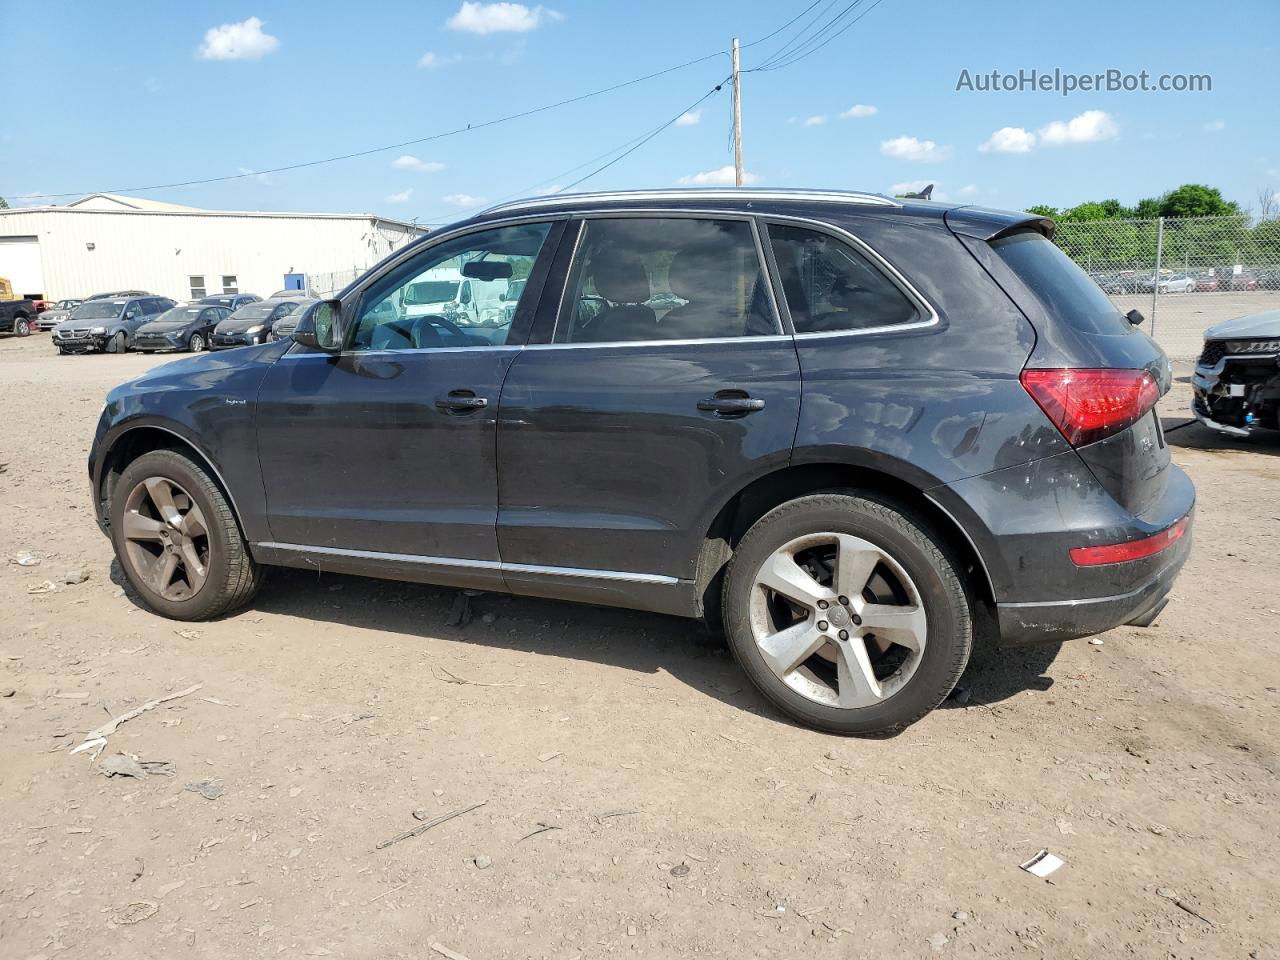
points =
(166, 538)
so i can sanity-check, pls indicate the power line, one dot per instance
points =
(784, 26)
(798, 56)
(801, 33)
(393, 146)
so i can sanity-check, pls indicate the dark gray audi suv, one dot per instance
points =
(844, 428)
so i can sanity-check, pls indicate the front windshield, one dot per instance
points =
(66, 304)
(431, 291)
(179, 315)
(98, 310)
(253, 311)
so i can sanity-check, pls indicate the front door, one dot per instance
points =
(386, 451)
(668, 384)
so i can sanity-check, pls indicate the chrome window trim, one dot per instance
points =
(465, 564)
(766, 338)
(636, 213)
(398, 353)
(889, 270)
(833, 196)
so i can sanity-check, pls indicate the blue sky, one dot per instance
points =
(147, 93)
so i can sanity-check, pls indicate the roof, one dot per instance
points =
(114, 203)
(735, 194)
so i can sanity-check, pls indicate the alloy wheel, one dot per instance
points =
(166, 538)
(838, 620)
(197, 343)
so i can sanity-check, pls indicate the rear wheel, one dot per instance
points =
(847, 613)
(22, 327)
(177, 539)
(196, 343)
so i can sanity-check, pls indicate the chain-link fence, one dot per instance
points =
(1183, 273)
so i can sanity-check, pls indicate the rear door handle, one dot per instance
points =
(461, 401)
(731, 403)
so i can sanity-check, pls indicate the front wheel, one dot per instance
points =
(196, 343)
(847, 613)
(177, 539)
(118, 343)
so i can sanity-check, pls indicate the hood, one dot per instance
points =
(167, 326)
(71, 324)
(198, 369)
(239, 326)
(57, 316)
(1265, 324)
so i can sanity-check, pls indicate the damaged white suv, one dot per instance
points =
(1237, 378)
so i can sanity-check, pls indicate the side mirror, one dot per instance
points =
(321, 326)
(1135, 317)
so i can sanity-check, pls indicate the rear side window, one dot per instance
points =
(670, 278)
(1064, 290)
(831, 287)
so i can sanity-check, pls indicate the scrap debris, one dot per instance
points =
(136, 912)
(542, 828)
(207, 789)
(424, 827)
(441, 673)
(123, 765)
(1043, 864)
(96, 739)
(446, 952)
(1172, 897)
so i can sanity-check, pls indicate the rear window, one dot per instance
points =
(1066, 292)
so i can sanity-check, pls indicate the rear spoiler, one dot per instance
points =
(982, 223)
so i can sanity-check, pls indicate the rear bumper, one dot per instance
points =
(1023, 623)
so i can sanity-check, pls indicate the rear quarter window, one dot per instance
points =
(1064, 290)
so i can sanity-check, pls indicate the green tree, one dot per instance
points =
(1043, 210)
(4, 204)
(1196, 200)
(1148, 208)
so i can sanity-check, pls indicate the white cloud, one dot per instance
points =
(408, 162)
(816, 120)
(690, 119)
(401, 197)
(237, 41)
(500, 18)
(1009, 140)
(859, 110)
(1213, 126)
(262, 178)
(722, 177)
(911, 148)
(463, 199)
(1090, 127)
(431, 60)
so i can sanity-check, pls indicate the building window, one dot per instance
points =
(198, 291)
(229, 284)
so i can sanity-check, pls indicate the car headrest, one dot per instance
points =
(703, 274)
(619, 277)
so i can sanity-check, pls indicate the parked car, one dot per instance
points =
(107, 326)
(251, 324)
(285, 324)
(907, 416)
(56, 314)
(1206, 283)
(1243, 281)
(1115, 284)
(1236, 384)
(294, 295)
(116, 294)
(1268, 279)
(233, 301)
(185, 327)
(17, 317)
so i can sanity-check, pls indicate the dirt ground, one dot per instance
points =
(640, 800)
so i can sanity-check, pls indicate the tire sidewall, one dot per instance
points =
(949, 636)
(192, 343)
(175, 467)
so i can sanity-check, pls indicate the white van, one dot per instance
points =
(465, 301)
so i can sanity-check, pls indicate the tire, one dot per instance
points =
(231, 577)
(22, 327)
(118, 343)
(910, 568)
(196, 344)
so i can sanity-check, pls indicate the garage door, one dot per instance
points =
(20, 264)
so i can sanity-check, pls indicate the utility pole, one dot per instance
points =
(737, 118)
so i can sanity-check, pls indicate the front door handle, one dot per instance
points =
(730, 403)
(461, 401)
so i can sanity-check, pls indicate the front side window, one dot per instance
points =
(420, 304)
(830, 286)
(198, 291)
(670, 278)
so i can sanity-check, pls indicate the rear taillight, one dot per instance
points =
(1088, 405)
(1130, 549)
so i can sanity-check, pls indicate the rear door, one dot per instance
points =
(665, 386)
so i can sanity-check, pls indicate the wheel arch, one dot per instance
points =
(770, 490)
(143, 438)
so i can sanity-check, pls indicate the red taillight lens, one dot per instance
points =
(1130, 549)
(1087, 405)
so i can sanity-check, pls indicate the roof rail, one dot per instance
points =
(694, 193)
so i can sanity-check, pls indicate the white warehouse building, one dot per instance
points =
(109, 242)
